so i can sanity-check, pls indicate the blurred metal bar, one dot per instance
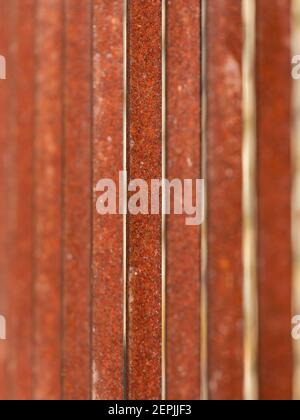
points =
(144, 231)
(19, 292)
(77, 199)
(6, 208)
(250, 203)
(274, 101)
(47, 200)
(224, 178)
(183, 162)
(296, 192)
(107, 328)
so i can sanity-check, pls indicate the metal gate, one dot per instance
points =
(141, 306)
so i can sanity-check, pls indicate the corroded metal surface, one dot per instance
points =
(274, 198)
(20, 321)
(108, 361)
(183, 162)
(77, 199)
(224, 147)
(144, 231)
(48, 200)
(4, 196)
(62, 265)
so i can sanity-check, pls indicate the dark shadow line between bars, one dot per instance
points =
(204, 231)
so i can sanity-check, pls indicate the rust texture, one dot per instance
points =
(224, 169)
(183, 242)
(274, 199)
(144, 231)
(19, 292)
(4, 190)
(48, 200)
(16, 268)
(108, 360)
(77, 199)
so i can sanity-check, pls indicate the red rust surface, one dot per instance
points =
(224, 143)
(108, 360)
(11, 198)
(274, 199)
(4, 196)
(183, 242)
(77, 199)
(20, 320)
(144, 231)
(48, 202)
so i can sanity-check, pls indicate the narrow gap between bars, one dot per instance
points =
(204, 237)
(250, 203)
(164, 174)
(125, 271)
(295, 21)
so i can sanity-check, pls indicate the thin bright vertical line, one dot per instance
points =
(204, 245)
(296, 191)
(164, 174)
(125, 21)
(250, 203)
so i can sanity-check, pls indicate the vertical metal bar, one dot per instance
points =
(249, 203)
(108, 281)
(204, 230)
(144, 231)
(47, 197)
(183, 242)
(296, 192)
(21, 268)
(274, 85)
(125, 194)
(5, 201)
(77, 200)
(11, 194)
(224, 177)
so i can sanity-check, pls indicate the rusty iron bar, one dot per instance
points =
(77, 172)
(19, 292)
(108, 361)
(183, 162)
(224, 178)
(47, 213)
(274, 84)
(144, 335)
(6, 204)
(295, 9)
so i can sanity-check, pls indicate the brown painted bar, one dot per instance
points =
(224, 178)
(77, 199)
(48, 201)
(274, 199)
(183, 162)
(19, 294)
(108, 358)
(144, 334)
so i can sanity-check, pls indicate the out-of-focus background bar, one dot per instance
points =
(144, 307)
